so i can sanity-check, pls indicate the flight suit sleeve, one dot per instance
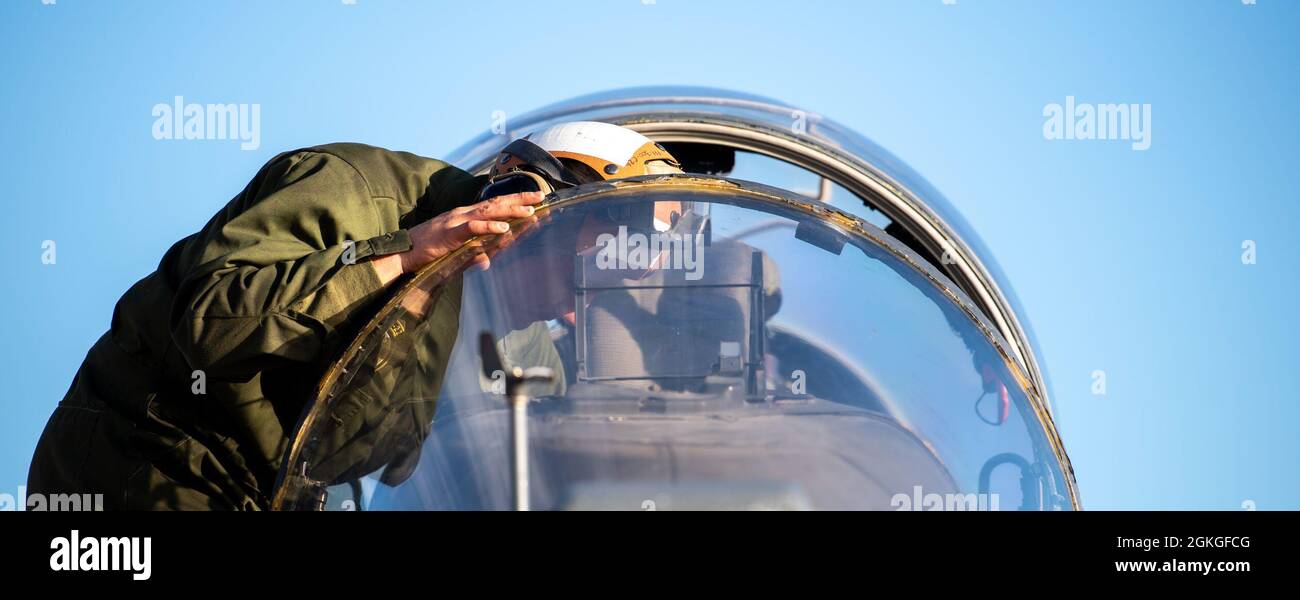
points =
(284, 268)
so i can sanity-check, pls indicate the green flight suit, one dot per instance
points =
(188, 400)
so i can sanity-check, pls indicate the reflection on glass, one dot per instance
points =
(710, 349)
(751, 166)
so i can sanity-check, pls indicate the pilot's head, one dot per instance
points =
(543, 262)
(567, 155)
(574, 153)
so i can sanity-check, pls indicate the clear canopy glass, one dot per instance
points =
(690, 343)
(866, 179)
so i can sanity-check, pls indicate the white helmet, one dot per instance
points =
(586, 151)
(610, 151)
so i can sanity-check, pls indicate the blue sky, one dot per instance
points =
(1125, 261)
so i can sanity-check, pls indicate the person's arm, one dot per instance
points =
(295, 259)
(446, 232)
